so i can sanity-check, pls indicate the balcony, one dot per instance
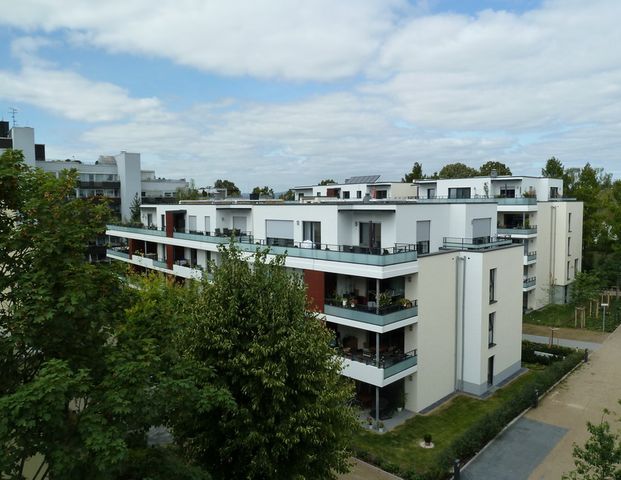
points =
(517, 230)
(531, 257)
(137, 229)
(529, 282)
(371, 315)
(119, 254)
(477, 243)
(444, 199)
(517, 201)
(365, 368)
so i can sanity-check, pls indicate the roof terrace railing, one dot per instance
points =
(477, 243)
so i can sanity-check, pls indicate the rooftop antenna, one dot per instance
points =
(13, 111)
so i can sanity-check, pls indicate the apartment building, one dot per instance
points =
(118, 178)
(533, 213)
(423, 297)
(357, 188)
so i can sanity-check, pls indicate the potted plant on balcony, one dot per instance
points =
(405, 303)
(380, 426)
(384, 299)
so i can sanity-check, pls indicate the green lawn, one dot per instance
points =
(563, 316)
(401, 446)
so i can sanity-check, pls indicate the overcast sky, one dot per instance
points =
(287, 92)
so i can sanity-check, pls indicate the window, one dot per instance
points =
(207, 225)
(279, 232)
(311, 234)
(359, 194)
(370, 235)
(576, 267)
(149, 219)
(569, 222)
(345, 195)
(431, 193)
(568, 246)
(492, 285)
(192, 222)
(460, 192)
(381, 194)
(507, 192)
(143, 194)
(490, 330)
(423, 228)
(168, 194)
(568, 275)
(553, 192)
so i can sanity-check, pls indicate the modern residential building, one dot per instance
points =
(357, 188)
(118, 178)
(423, 297)
(532, 212)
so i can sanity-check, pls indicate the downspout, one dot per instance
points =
(463, 319)
(457, 262)
(552, 253)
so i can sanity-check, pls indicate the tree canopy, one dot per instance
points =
(553, 169)
(327, 181)
(263, 191)
(289, 417)
(287, 196)
(135, 209)
(231, 188)
(457, 170)
(487, 167)
(415, 174)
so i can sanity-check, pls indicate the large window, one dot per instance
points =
(490, 330)
(492, 285)
(370, 235)
(279, 232)
(568, 246)
(423, 229)
(381, 194)
(192, 223)
(569, 222)
(568, 274)
(345, 195)
(311, 234)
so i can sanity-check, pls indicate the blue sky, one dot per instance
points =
(288, 93)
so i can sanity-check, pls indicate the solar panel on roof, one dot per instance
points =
(363, 179)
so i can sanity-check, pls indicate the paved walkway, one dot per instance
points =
(582, 397)
(363, 471)
(563, 342)
(512, 458)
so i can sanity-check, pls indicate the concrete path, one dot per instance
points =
(581, 398)
(563, 342)
(515, 453)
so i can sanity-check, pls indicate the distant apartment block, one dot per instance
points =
(118, 178)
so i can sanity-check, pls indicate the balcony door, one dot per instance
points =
(311, 232)
(371, 235)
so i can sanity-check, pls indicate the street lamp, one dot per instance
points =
(604, 305)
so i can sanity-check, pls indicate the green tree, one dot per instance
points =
(288, 196)
(585, 287)
(135, 209)
(188, 193)
(553, 169)
(290, 418)
(327, 181)
(415, 174)
(231, 188)
(501, 168)
(600, 458)
(263, 191)
(70, 395)
(457, 170)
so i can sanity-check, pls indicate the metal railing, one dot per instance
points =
(517, 230)
(477, 243)
(530, 282)
(517, 201)
(369, 314)
(392, 363)
(531, 256)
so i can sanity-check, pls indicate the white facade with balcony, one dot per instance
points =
(368, 266)
(532, 212)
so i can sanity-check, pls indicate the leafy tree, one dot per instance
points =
(188, 193)
(231, 188)
(600, 458)
(288, 196)
(457, 170)
(585, 287)
(415, 174)
(553, 169)
(263, 191)
(70, 395)
(289, 418)
(327, 181)
(501, 168)
(135, 209)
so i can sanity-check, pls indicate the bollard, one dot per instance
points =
(456, 474)
(586, 355)
(536, 399)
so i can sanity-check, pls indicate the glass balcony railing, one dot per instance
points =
(116, 253)
(531, 256)
(378, 256)
(363, 313)
(517, 201)
(390, 363)
(530, 282)
(517, 230)
(478, 243)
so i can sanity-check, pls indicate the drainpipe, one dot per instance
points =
(457, 262)
(377, 389)
(552, 253)
(463, 318)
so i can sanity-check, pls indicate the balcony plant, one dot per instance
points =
(405, 303)
(385, 299)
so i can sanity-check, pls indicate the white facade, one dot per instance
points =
(383, 273)
(532, 212)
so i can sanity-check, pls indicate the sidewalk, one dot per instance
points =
(581, 398)
(563, 342)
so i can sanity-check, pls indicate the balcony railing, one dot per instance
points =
(531, 256)
(517, 230)
(530, 282)
(477, 243)
(110, 252)
(444, 199)
(390, 363)
(366, 314)
(136, 229)
(517, 201)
